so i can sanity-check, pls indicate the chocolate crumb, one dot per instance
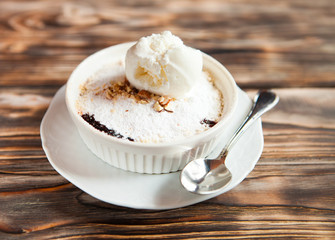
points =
(101, 127)
(210, 123)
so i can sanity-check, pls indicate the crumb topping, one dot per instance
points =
(123, 89)
(109, 103)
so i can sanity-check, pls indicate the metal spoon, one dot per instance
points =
(205, 176)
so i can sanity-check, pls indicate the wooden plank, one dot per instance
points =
(269, 45)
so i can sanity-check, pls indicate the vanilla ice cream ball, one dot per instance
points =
(163, 65)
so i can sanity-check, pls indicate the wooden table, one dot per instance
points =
(287, 45)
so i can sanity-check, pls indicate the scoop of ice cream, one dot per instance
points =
(163, 65)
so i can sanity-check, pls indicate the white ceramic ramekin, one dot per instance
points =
(147, 157)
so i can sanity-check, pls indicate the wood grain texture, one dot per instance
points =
(263, 44)
(285, 45)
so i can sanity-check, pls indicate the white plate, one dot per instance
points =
(69, 156)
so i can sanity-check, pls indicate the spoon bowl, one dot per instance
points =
(202, 179)
(205, 175)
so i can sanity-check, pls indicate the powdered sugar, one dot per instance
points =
(140, 121)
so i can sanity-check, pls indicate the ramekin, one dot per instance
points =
(151, 158)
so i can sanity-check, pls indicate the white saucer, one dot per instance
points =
(69, 156)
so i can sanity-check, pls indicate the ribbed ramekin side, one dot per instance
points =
(144, 163)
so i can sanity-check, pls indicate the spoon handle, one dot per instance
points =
(263, 102)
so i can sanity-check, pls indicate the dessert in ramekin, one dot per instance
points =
(179, 121)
